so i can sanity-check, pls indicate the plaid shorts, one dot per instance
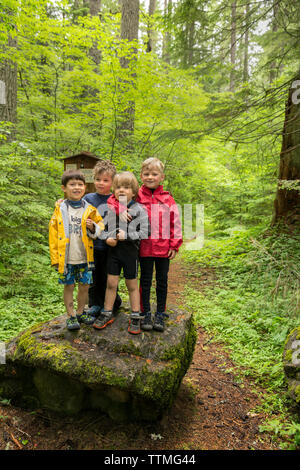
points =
(76, 272)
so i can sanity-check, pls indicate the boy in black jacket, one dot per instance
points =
(123, 239)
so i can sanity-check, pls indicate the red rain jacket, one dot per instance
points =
(166, 233)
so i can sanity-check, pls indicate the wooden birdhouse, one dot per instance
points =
(85, 162)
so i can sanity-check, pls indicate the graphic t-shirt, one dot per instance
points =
(77, 253)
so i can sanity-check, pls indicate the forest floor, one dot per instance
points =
(213, 409)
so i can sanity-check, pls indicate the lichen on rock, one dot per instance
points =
(128, 377)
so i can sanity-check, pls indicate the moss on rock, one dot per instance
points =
(129, 377)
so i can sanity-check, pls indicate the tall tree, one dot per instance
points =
(287, 202)
(129, 32)
(8, 78)
(150, 28)
(233, 46)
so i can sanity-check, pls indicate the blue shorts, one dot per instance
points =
(76, 272)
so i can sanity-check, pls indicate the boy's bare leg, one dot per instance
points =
(68, 298)
(111, 292)
(82, 297)
(134, 294)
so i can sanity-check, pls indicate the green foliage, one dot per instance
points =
(254, 305)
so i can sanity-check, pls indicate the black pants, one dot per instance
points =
(98, 287)
(161, 271)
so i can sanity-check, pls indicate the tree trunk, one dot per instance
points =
(287, 202)
(8, 85)
(274, 30)
(150, 29)
(95, 8)
(129, 32)
(167, 37)
(246, 46)
(233, 46)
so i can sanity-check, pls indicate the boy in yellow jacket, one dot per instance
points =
(72, 227)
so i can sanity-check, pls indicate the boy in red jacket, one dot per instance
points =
(161, 246)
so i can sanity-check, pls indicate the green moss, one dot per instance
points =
(288, 355)
(297, 394)
(129, 348)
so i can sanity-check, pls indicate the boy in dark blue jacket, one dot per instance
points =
(104, 173)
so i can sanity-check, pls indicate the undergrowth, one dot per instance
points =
(251, 308)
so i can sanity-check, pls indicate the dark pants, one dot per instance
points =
(98, 287)
(161, 271)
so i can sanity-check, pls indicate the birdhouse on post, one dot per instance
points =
(85, 162)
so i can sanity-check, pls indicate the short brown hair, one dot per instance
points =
(104, 166)
(128, 179)
(153, 162)
(72, 175)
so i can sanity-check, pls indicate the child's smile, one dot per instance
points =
(74, 190)
(152, 178)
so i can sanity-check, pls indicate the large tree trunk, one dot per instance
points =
(167, 37)
(95, 8)
(233, 46)
(274, 30)
(8, 85)
(246, 45)
(287, 202)
(150, 28)
(129, 32)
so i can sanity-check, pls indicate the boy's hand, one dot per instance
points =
(111, 242)
(59, 201)
(172, 254)
(125, 216)
(121, 235)
(90, 225)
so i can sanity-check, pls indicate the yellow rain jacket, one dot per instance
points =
(59, 234)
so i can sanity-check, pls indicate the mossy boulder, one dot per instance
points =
(130, 377)
(291, 361)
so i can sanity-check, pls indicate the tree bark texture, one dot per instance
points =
(150, 29)
(287, 202)
(95, 9)
(8, 75)
(129, 32)
(233, 46)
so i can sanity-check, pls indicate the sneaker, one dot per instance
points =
(134, 323)
(159, 321)
(105, 318)
(85, 318)
(94, 310)
(72, 323)
(146, 322)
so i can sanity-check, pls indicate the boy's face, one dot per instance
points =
(103, 183)
(123, 192)
(152, 178)
(74, 190)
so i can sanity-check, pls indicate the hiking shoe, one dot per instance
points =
(85, 318)
(146, 322)
(159, 321)
(94, 310)
(105, 318)
(72, 323)
(134, 323)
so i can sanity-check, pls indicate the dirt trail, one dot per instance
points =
(212, 410)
